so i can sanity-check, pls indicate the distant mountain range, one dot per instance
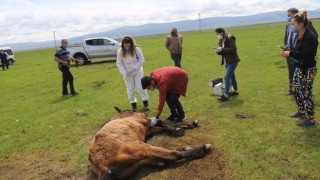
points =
(160, 28)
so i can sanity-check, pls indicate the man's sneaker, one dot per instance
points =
(74, 93)
(297, 114)
(234, 94)
(172, 117)
(223, 98)
(306, 122)
(65, 94)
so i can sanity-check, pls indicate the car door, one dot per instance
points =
(94, 48)
(111, 48)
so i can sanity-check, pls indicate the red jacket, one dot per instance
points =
(169, 79)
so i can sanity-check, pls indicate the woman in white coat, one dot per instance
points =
(129, 61)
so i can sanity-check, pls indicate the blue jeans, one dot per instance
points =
(177, 59)
(230, 76)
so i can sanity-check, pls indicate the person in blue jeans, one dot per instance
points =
(229, 57)
(174, 46)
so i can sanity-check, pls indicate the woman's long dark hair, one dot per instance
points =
(130, 40)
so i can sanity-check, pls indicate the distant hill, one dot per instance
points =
(160, 28)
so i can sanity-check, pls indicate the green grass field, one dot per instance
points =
(43, 135)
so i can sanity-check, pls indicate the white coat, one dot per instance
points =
(131, 69)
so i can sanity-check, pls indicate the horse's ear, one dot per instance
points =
(117, 109)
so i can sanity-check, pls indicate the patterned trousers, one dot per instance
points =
(302, 90)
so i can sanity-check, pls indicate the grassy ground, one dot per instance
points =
(44, 135)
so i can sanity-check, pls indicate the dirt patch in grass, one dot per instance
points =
(40, 164)
(50, 164)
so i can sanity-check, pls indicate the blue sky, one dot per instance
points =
(35, 20)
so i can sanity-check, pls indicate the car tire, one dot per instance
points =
(10, 62)
(83, 59)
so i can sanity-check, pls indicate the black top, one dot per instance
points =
(3, 56)
(305, 50)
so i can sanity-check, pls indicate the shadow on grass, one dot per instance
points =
(61, 99)
(96, 63)
(233, 101)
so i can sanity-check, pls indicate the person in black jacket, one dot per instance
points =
(229, 57)
(4, 59)
(303, 57)
(289, 38)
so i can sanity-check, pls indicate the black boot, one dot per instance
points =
(134, 107)
(146, 105)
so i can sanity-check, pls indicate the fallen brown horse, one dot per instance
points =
(119, 149)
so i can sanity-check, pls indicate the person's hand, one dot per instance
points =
(286, 48)
(125, 76)
(132, 71)
(219, 49)
(153, 121)
(285, 54)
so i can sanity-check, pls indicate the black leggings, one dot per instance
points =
(66, 78)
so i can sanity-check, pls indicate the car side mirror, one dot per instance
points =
(112, 43)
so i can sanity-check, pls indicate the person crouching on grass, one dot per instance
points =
(229, 57)
(303, 57)
(129, 61)
(63, 58)
(171, 82)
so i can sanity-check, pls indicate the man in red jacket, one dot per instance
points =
(171, 83)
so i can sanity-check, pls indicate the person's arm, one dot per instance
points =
(167, 43)
(140, 57)
(56, 58)
(285, 40)
(120, 64)
(162, 99)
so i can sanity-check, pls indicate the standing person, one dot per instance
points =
(229, 57)
(171, 82)
(289, 38)
(63, 58)
(303, 56)
(4, 59)
(174, 45)
(129, 61)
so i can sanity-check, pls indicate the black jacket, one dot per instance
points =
(3, 57)
(229, 52)
(305, 50)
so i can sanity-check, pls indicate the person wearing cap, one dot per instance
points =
(172, 83)
(174, 46)
(62, 57)
(129, 61)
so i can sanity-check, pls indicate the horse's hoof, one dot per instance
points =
(196, 123)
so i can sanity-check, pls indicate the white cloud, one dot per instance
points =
(35, 20)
